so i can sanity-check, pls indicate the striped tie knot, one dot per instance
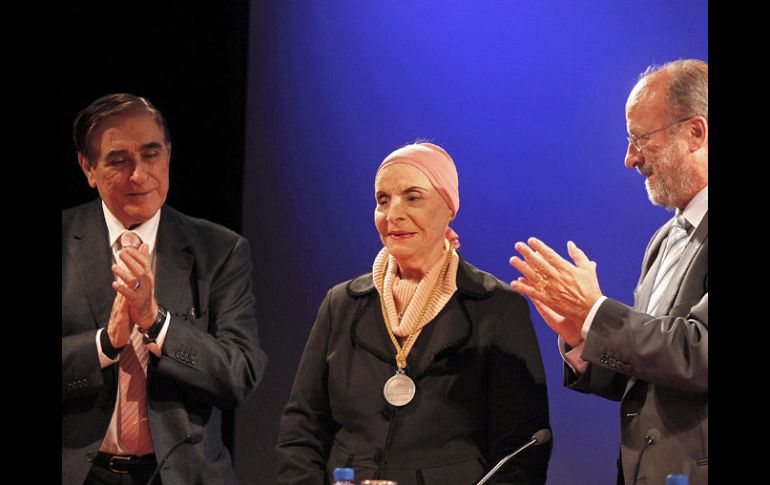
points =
(130, 239)
(680, 222)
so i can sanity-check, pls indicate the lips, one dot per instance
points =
(398, 235)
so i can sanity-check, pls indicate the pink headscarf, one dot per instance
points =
(438, 166)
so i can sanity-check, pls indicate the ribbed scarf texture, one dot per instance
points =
(408, 297)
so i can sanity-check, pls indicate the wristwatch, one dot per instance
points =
(152, 332)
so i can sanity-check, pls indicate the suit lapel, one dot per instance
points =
(650, 267)
(443, 335)
(91, 248)
(651, 263)
(448, 332)
(368, 329)
(643, 292)
(173, 262)
(693, 246)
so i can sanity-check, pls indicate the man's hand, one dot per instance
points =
(569, 330)
(136, 283)
(562, 293)
(120, 326)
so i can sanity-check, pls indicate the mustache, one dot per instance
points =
(644, 169)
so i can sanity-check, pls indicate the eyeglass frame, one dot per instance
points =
(634, 140)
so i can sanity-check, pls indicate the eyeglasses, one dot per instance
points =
(636, 141)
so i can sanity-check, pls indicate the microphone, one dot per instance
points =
(649, 440)
(191, 438)
(540, 437)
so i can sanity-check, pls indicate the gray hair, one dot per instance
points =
(688, 88)
(90, 119)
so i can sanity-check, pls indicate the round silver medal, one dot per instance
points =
(399, 389)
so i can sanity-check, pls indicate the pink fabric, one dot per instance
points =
(438, 166)
(134, 431)
(134, 428)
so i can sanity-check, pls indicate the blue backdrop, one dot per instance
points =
(527, 97)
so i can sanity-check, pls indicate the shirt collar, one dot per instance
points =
(697, 207)
(148, 230)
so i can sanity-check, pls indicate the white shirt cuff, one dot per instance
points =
(590, 317)
(573, 358)
(104, 361)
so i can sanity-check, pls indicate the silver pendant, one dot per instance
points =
(399, 389)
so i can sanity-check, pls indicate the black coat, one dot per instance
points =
(481, 391)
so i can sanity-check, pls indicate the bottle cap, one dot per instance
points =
(676, 480)
(346, 474)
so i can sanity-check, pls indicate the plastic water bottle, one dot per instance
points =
(343, 476)
(676, 480)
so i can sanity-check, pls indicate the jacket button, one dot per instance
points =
(388, 412)
(379, 457)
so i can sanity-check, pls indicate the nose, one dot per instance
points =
(139, 174)
(395, 210)
(633, 157)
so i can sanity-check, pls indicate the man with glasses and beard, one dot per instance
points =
(653, 357)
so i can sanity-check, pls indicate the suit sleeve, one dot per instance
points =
(518, 400)
(80, 369)
(596, 380)
(307, 427)
(670, 350)
(225, 363)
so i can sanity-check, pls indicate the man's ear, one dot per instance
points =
(698, 131)
(88, 170)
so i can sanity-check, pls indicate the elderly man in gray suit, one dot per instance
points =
(159, 330)
(652, 357)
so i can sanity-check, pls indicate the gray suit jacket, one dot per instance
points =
(211, 359)
(657, 366)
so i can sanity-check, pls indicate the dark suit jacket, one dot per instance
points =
(481, 391)
(657, 365)
(209, 362)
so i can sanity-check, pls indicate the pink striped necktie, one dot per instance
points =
(134, 433)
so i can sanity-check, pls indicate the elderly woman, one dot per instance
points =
(426, 370)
